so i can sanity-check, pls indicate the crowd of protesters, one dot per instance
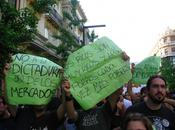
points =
(152, 107)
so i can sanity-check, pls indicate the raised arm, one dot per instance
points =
(3, 85)
(130, 92)
(12, 108)
(61, 111)
(113, 98)
(71, 112)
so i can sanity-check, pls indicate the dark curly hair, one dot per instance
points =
(149, 82)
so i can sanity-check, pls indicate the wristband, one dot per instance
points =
(68, 98)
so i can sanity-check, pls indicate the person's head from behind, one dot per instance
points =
(120, 90)
(137, 121)
(143, 93)
(156, 87)
(39, 108)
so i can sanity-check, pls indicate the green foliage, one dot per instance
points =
(69, 44)
(42, 6)
(74, 6)
(74, 21)
(92, 36)
(15, 27)
(168, 71)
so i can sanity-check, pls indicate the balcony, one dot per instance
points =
(166, 44)
(54, 17)
(39, 43)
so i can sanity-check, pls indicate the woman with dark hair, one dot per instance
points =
(137, 121)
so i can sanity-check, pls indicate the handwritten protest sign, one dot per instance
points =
(145, 69)
(95, 71)
(32, 80)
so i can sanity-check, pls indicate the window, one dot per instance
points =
(166, 51)
(172, 38)
(173, 49)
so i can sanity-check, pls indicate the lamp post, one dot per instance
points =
(92, 26)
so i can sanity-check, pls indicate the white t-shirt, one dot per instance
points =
(127, 103)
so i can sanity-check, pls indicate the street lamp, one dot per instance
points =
(92, 26)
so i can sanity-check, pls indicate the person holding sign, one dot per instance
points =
(95, 71)
(41, 117)
(37, 117)
(7, 121)
(96, 118)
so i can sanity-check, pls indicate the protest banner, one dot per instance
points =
(32, 80)
(96, 71)
(146, 68)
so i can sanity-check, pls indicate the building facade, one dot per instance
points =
(165, 47)
(49, 24)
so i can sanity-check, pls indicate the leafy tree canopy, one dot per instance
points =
(42, 6)
(92, 36)
(69, 44)
(168, 71)
(16, 26)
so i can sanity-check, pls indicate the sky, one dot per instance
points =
(133, 25)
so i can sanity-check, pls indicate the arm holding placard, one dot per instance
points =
(11, 108)
(61, 112)
(71, 112)
(130, 92)
(125, 57)
(61, 109)
(5, 71)
(69, 103)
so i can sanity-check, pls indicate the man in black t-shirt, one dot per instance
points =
(161, 117)
(31, 117)
(37, 118)
(41, 117)
(97, 118)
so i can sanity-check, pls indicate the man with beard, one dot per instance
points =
(161, 117)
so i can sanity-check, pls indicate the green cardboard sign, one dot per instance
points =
(96, 71)
(146, 68)
(32, 80)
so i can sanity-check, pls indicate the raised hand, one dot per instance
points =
(125, 57)
(66, 87)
